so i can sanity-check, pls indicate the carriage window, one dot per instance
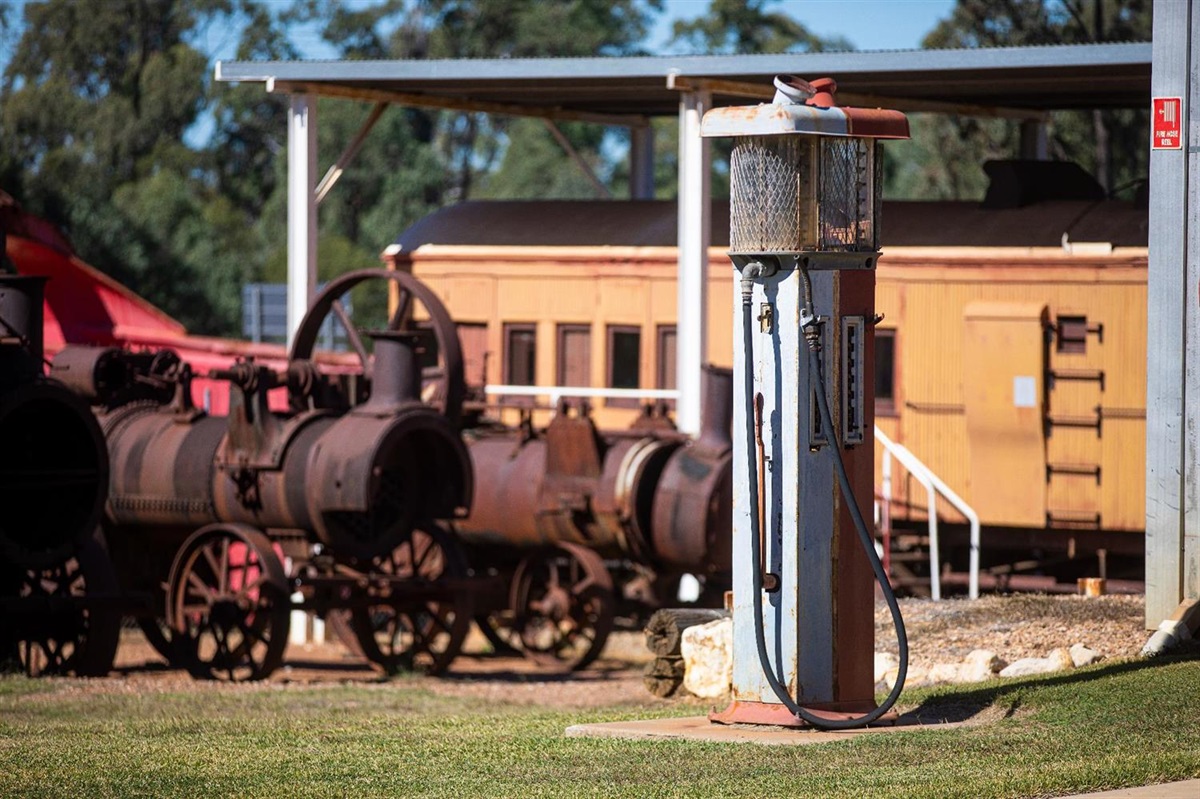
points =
(520, 354)
(666, 356)
(624, 361)
(885, 372)
(666, 359)
(574, 355)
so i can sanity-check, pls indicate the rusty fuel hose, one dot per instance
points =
(757, 522)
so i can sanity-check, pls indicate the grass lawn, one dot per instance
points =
(1116, 724)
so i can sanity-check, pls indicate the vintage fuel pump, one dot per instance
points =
(804, 238)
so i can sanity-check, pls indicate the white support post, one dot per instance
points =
(1172, 382)
(641, 163)
(694, 237)
(1189, 544)
(302, 209)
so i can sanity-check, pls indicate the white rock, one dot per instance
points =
(884, 662)
(1027, 666)
(980, 665)
(1084, 656)
(917, 675)
(1059, 660)
(707, 651)
(943, 672)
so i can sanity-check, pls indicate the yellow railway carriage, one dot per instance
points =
(1010, 359)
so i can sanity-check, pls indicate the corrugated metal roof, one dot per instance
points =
(652, 223)
(1039, 78)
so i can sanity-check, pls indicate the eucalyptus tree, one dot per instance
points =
(945, 157)
(96, 104)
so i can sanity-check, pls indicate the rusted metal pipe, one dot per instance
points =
(396, 379)
(693, 506)
(359, 481)
(569, 485)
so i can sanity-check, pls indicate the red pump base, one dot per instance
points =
(774, 714)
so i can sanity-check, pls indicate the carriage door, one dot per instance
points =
(1004, 393)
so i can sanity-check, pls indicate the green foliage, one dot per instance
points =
(534, 165)
(1015, 23)
(743, 27)
(395, 179)
(945, 158)
(522, 28)
(336, 255)
(437, 158)
(94, 106)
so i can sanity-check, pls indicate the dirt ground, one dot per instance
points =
(1012, 626)
(1016, 626)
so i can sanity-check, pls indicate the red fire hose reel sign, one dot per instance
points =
(1166, 127)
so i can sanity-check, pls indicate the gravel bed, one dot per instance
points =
(1015, 626)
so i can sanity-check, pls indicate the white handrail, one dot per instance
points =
(933, 485)
(557, 392)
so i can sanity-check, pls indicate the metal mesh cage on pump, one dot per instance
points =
(771, 194)
(846, 200)
(800, 193)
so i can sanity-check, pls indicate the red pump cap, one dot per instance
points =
(823, 91)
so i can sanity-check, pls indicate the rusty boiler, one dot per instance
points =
(334, 506)
(643, 494)
(53, 462)
(359, 480)
(57, 583)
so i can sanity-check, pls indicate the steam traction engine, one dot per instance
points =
(353, 503)
(563, 512)
(564, 523)
(58, 611)
(333, 506)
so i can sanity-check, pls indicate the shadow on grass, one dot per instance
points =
(358, 671)
(498, 668)
(1000, 699)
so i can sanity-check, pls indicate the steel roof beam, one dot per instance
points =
(446, 102)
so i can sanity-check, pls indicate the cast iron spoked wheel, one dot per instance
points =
(337, 624)
(442, 385)
(228, 604)
(158, 635)
(497, 628)
(564, 605)
(417, 634)
(56, 629)
(155, 627)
